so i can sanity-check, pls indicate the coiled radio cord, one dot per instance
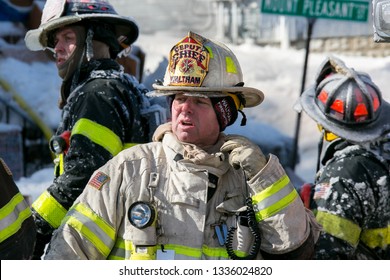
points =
(253, 226)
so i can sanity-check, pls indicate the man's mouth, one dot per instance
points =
(60, 61)
(186, 123)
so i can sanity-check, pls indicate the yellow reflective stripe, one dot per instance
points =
(274, 198)
(376, 238)
(230, 65)
(12, 215)
(92, 227)
(121, 250)
(49, 209)
(219, 252)
(150, 254)
(210, 50)
(125, 249)
(98, 134)
(61, 163)
(184, 250)
(339, 227)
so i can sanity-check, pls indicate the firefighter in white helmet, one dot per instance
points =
(100, 112)
(194, 192)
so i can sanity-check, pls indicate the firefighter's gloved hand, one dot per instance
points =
(245, 154)
(41, 242)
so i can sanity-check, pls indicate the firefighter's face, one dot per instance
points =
(194, 120)
(65, 43)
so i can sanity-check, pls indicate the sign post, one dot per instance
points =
(351, 10)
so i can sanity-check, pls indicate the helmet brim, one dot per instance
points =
(36, 39)
(357, 133)
(252, 96)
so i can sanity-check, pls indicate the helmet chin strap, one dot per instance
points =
(320, 145)
(89, 44)
(76, 74)
(87, 53)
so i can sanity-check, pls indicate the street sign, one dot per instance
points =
(352, 10)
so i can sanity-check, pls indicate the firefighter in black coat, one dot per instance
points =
(17, 227)
(100, 112)
(351, 192)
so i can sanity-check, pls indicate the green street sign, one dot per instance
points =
(330, 9)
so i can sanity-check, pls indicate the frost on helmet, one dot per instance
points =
(347, 103)
(59, 13)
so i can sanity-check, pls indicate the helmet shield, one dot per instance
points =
(202, 67)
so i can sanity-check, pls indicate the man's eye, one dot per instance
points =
(69, 39)
(180, 99)
(202, 101)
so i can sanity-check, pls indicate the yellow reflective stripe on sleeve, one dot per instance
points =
(274, 198)
(12, 216)
(121, 250)
(49, 209)
(91, 226)
(98, 134)
(339, 227)
(376, 238)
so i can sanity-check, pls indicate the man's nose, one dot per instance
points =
(188, 105)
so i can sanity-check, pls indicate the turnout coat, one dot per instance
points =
(196, 196)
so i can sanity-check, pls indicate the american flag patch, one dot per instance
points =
(98, 180)
(321, 191)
